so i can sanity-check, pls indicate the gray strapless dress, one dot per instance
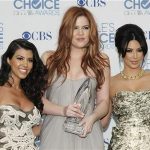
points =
(53, 136)
(132, 112)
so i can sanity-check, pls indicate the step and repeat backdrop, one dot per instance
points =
(39, 20)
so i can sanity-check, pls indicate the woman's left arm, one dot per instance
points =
(102, 104)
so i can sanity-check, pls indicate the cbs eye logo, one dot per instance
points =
(37, 35)
(92, 3)
(81, 2)
(26, 35)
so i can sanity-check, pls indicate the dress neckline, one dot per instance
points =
(17, 107)
(128, 91)
(83, 78)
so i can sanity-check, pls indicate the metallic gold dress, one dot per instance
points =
(132, 113)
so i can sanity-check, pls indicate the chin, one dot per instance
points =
(23, 76)
(135, 67)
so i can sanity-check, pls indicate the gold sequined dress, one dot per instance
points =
(132, 115)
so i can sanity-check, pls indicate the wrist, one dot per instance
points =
(64, 111)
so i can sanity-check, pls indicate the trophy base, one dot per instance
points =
(73, 127)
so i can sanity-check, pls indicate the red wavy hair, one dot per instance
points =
(59, 61)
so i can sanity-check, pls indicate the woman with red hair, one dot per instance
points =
(76, 60)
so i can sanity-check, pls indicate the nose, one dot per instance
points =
(135, 54)
(25, 63)
(80, 31)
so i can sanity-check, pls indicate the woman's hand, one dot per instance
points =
(73, 110)
(87, 124)
(36, 130)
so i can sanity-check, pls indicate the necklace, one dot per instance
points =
(127, 77)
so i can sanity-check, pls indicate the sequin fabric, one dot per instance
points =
(132, 115)
(16, 128)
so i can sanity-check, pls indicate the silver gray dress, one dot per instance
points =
(53, 136)
(132, 112)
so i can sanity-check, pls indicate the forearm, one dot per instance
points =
(53, 109)
(71, 110)
(105, 122)
(100, 111)
(106, 119)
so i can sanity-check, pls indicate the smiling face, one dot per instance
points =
(81, 31)
(21, 63)
(134, 55)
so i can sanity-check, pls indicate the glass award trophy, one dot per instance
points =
(71, 124)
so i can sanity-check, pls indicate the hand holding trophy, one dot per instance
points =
(82, 97)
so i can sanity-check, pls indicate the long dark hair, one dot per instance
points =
(35, 83)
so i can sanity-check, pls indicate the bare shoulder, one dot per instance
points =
(147, 74)
(3, 89)
(46, 55)
(114, 80)
(114, 84)
(4, 94)
(115, 77)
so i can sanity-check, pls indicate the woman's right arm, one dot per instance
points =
(72, 110)
(53, 109)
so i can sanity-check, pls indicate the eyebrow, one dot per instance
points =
(83, 25)
(132, 48)
(22, 56)
(18, 56)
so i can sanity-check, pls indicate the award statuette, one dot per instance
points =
(71, 124)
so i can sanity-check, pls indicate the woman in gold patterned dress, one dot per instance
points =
(130, 92)
(20, 95)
